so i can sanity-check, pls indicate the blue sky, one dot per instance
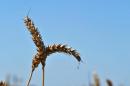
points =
(98, 29)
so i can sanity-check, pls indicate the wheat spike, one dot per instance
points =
(36, 60)
(37, 39)
(36, 36)
(62, 49)
(35, 63)
(2, 83)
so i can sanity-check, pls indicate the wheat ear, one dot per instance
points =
(36, 36)
(37, 39)
(35, 62)
(62, 49)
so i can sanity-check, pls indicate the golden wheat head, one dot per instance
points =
(36, 36)
(36, 61)
(62, 49)
(37, 39)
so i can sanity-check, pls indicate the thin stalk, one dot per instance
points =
(43, 76)
(30, 77)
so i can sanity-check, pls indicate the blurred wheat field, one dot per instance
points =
(95, 77)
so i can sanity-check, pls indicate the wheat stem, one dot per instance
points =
(30, 77)
(43, 76)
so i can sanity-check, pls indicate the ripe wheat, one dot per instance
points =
(42, 50)
(37, 39)
(62, 49)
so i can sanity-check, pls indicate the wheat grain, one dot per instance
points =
(35, 62)
(36, 36)
(62, 49)
(30, 77)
